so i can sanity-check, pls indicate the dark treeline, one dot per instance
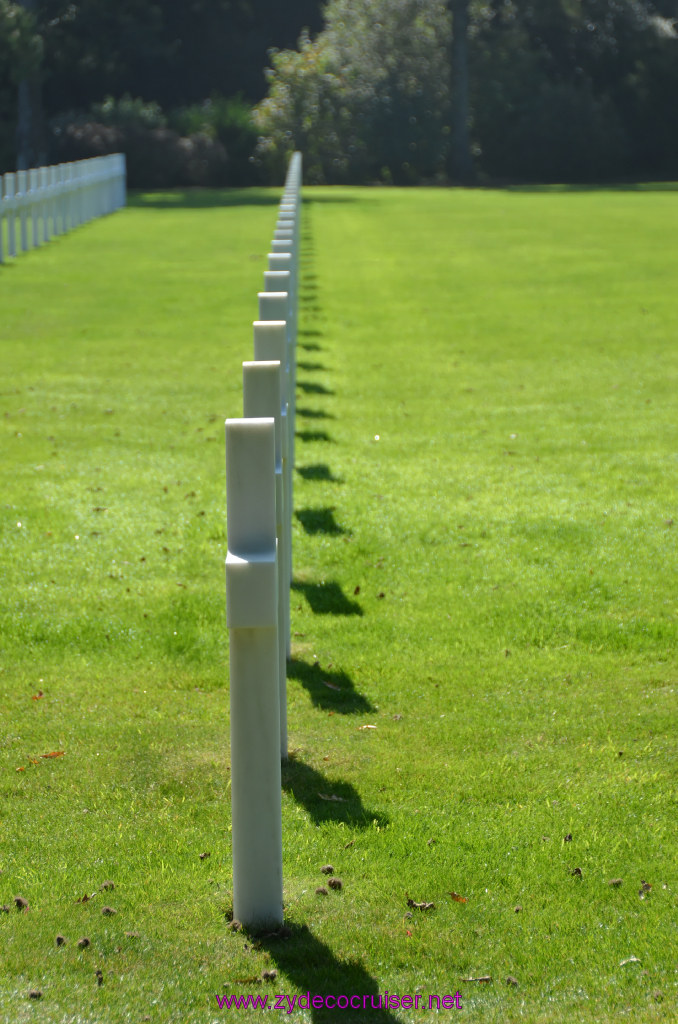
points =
(406, 91)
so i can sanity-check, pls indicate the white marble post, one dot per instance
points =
(46, 192)
(55, 203)
(281, 281)
(282, 245)
(270, 343)
(35, 199)
(275, 306)
(251, 596)
(10, 199)
(22, 199)
(280, 261)
(262, 388)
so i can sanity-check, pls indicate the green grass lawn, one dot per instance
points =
(482, 692)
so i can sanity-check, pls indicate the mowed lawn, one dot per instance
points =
(482, 691)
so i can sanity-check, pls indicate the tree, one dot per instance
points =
(461, 162)
(368, 97)
(558, 87)
(20, 61)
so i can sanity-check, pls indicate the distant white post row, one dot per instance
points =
(52, 200)
(259, 464)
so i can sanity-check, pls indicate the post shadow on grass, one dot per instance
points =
(329, 690)
(311, 387)
(314, 414)
(310, 965)
(318, 471)
(320, 520)
(312, 435)
(327, 598)
(326, 799)
(310, 366)
(200, 198)
(309, 346)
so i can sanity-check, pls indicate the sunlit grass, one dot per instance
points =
(484, 571)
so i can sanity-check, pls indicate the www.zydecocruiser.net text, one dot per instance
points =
(387, 1001)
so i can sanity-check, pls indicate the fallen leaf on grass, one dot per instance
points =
(54, 753)
(457, 897)
(483, 977)
(331, 686)
(333, 797)
(38, 695)
(629, 960)
(204, 856)
(511, 980)
(85, 898)
(424, 905)
(362, 728)
(616, 882)
(21, 904)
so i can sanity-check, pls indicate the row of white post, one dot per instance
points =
(259, 465)
(42, 202)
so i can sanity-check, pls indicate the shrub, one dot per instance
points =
(227, 121)
(157, 156)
